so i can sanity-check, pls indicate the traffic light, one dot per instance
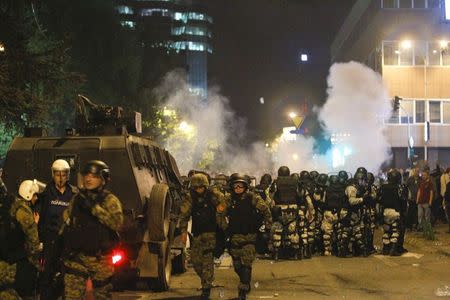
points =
(396, 103)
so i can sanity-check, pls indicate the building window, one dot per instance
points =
(420, 53)
(390, 53)
(146, 12)
(434, 54)
(420, 3)
(446, 111)
(407, 112)
(128, 24)
(445, 57)
(124, 10)
(405, 3)
(435, 111)
(406, 56)
(420, 111)
(389, 3)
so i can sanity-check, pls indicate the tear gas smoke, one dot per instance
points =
(216, 139)
(352, 117)
(357, 104)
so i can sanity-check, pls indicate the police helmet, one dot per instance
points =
(360, 176)
(28, 188)
(236, 177)
(60, 165)
(266, 179)
(370, 178)
(199, 180)
(394, 176)
(295, 176)
(284, 171)
(343, 174)
(97, 167)
(362, 170)
(314, 174)
(334, 179)
(322, 179)
(304, 175)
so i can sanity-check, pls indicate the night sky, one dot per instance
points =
(256, 54)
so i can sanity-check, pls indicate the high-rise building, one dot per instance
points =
(182, 27)
(407, 42)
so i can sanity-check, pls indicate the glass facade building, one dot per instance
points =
(407, 42)
(181, 26)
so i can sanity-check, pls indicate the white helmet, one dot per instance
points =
(60, 165)
(28, 188)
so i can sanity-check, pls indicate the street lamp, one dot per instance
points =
(292, 115)
(2, 47)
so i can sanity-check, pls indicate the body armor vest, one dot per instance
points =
(390, 197)
(203, 213)
(286, 193)
(244, 219)
(85, 233)
(335, 197)
(12, 238)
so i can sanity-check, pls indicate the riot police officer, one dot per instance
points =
(89, 233)
(393, 202)
(201, 203)
(242, 214)
(285, 229)
(52, 202)
(263, 190)
(356, 192)
(19, 242)
(370, 212)
(318, 201)
(306, 213)
(333, 201)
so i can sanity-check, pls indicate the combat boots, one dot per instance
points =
(307, 251)
(242, 295)
(394, 250)
(275, 254)
(205, 294)
(386, 248)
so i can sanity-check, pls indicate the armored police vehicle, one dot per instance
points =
(144, 176)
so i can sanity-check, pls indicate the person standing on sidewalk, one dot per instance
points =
(424, 200)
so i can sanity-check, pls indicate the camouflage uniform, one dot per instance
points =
(10, 288)
(80, 266)
(370, 217)
(202, 244)
(306, 217)
(356, 200)
(242, 244)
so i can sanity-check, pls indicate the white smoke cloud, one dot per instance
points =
(216, 126)
(357, 104)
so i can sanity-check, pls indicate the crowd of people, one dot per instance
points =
(310, 214)
(52, 227)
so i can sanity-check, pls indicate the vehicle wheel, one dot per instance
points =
(179, 263)
(161, 283)
(158, 213)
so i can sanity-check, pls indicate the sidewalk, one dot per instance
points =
(439, 246)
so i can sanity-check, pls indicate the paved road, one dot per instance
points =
(423, 273)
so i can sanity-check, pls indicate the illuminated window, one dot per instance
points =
(407, 112)
(390, 53)
(179, 16)
(420, 53)
(446, 111)
(420, 111)
(124, 10)
(155, 12)
(178, 30)
(435, 111)
(447, 9)
(406, 56)
(128, 24)
(434, 54)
